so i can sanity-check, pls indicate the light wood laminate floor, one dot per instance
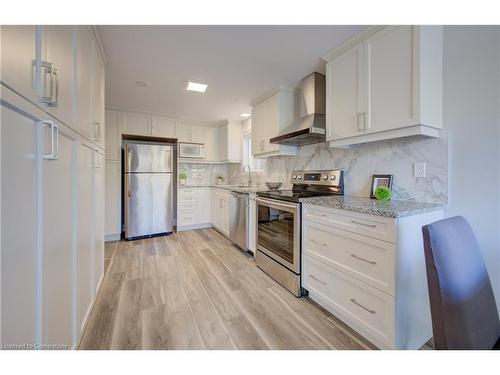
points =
(194, 290)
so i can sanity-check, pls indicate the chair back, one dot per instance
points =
(463, 307)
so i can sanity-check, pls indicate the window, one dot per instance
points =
(257, 165)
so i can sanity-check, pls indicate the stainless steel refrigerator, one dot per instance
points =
(148, 189)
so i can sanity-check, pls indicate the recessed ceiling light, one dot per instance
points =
(245, 115)
(198, 87)
(141, 83)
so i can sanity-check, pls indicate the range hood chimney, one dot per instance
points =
(311, 127)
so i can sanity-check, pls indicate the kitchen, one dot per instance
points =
(175, 207)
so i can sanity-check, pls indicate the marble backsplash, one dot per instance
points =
(394, 157)
(203, 174)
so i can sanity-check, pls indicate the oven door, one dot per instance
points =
(278, 231)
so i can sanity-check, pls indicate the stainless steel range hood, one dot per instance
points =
(311, 126)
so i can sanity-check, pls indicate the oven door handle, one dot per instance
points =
(276, 204)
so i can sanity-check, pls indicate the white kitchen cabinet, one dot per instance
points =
(386, 83)
(193, 208)
(84, 87)
(19, 255)
(112, 130)
(212, 144)
(230, 142)
(136, 123)
(220, 207)
(190, 133)
(203, 205)
(59, 274)
(345, 93)
(84, 238)
(97, 95)
(112, 211)
(268, 118)
(98, 215)
(58, 87)
(369, 271)
(164, 127)
(18, 54)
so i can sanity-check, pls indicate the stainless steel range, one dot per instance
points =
(279, 224)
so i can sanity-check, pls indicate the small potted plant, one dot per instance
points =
(220, 179)
(182, 178)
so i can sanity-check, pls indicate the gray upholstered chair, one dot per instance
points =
(463, 308)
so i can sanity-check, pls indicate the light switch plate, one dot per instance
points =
(418, 169)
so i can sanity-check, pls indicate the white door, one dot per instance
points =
(84, 86)
(18, 54)
(113, 198)
(197, 134)
(203, 206)
(136, 124)
(344, 94)
(112, 137)
(57, 49)
(225, 215)
(98, 222)
(97, 94)
(163, 127)
(389, 67)
(58, 255)
(85, 226)
(212, 143)
(18, 227)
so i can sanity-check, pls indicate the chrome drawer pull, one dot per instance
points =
(360, 305)
(364, 260)
(366, 225)
(318, 280)
(318, 243)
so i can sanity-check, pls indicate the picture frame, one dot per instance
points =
(380, 180)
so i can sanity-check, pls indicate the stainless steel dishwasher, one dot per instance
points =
(238, 218)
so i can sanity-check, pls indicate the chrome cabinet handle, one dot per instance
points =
(366, 125)
(360, 122)
(363, 259)
(364, 224)
(47, 69)
(363, 307)
(97, 160)
(97, 131)
(318, 280)
(55, 92)
(318, 243)
(54, 139)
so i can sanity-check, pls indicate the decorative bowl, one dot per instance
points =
(273, 185)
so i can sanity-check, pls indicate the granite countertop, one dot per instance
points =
(392, 208)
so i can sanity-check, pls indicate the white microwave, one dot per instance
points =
(192, 150)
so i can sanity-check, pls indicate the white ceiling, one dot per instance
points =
(239, 64)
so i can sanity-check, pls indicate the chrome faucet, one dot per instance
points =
(249, 183)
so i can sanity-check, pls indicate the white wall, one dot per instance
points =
(471, 114)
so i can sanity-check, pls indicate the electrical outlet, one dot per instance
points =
(418, 169)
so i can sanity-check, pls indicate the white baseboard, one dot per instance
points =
(112, 237)
(192, 227)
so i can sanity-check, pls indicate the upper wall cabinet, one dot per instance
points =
(112, 135)
(97, 97)
(136, 123)
(268, 118)
(191, 133)
(385, 83)
(165, 127)
(212, 144)
(230, 143)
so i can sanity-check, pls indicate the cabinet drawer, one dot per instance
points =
(368, 225)
(365, 258)
(187, 206)
(187, 218)
(365, 309)
(187, 195)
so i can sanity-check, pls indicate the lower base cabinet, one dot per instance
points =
(369, 271)
(52, 239)
(220, 210)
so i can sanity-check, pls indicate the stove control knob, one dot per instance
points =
(299, 177)
(294, 177)
(332, 177)
(325, 177)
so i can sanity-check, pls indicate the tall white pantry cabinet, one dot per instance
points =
(52, 183)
